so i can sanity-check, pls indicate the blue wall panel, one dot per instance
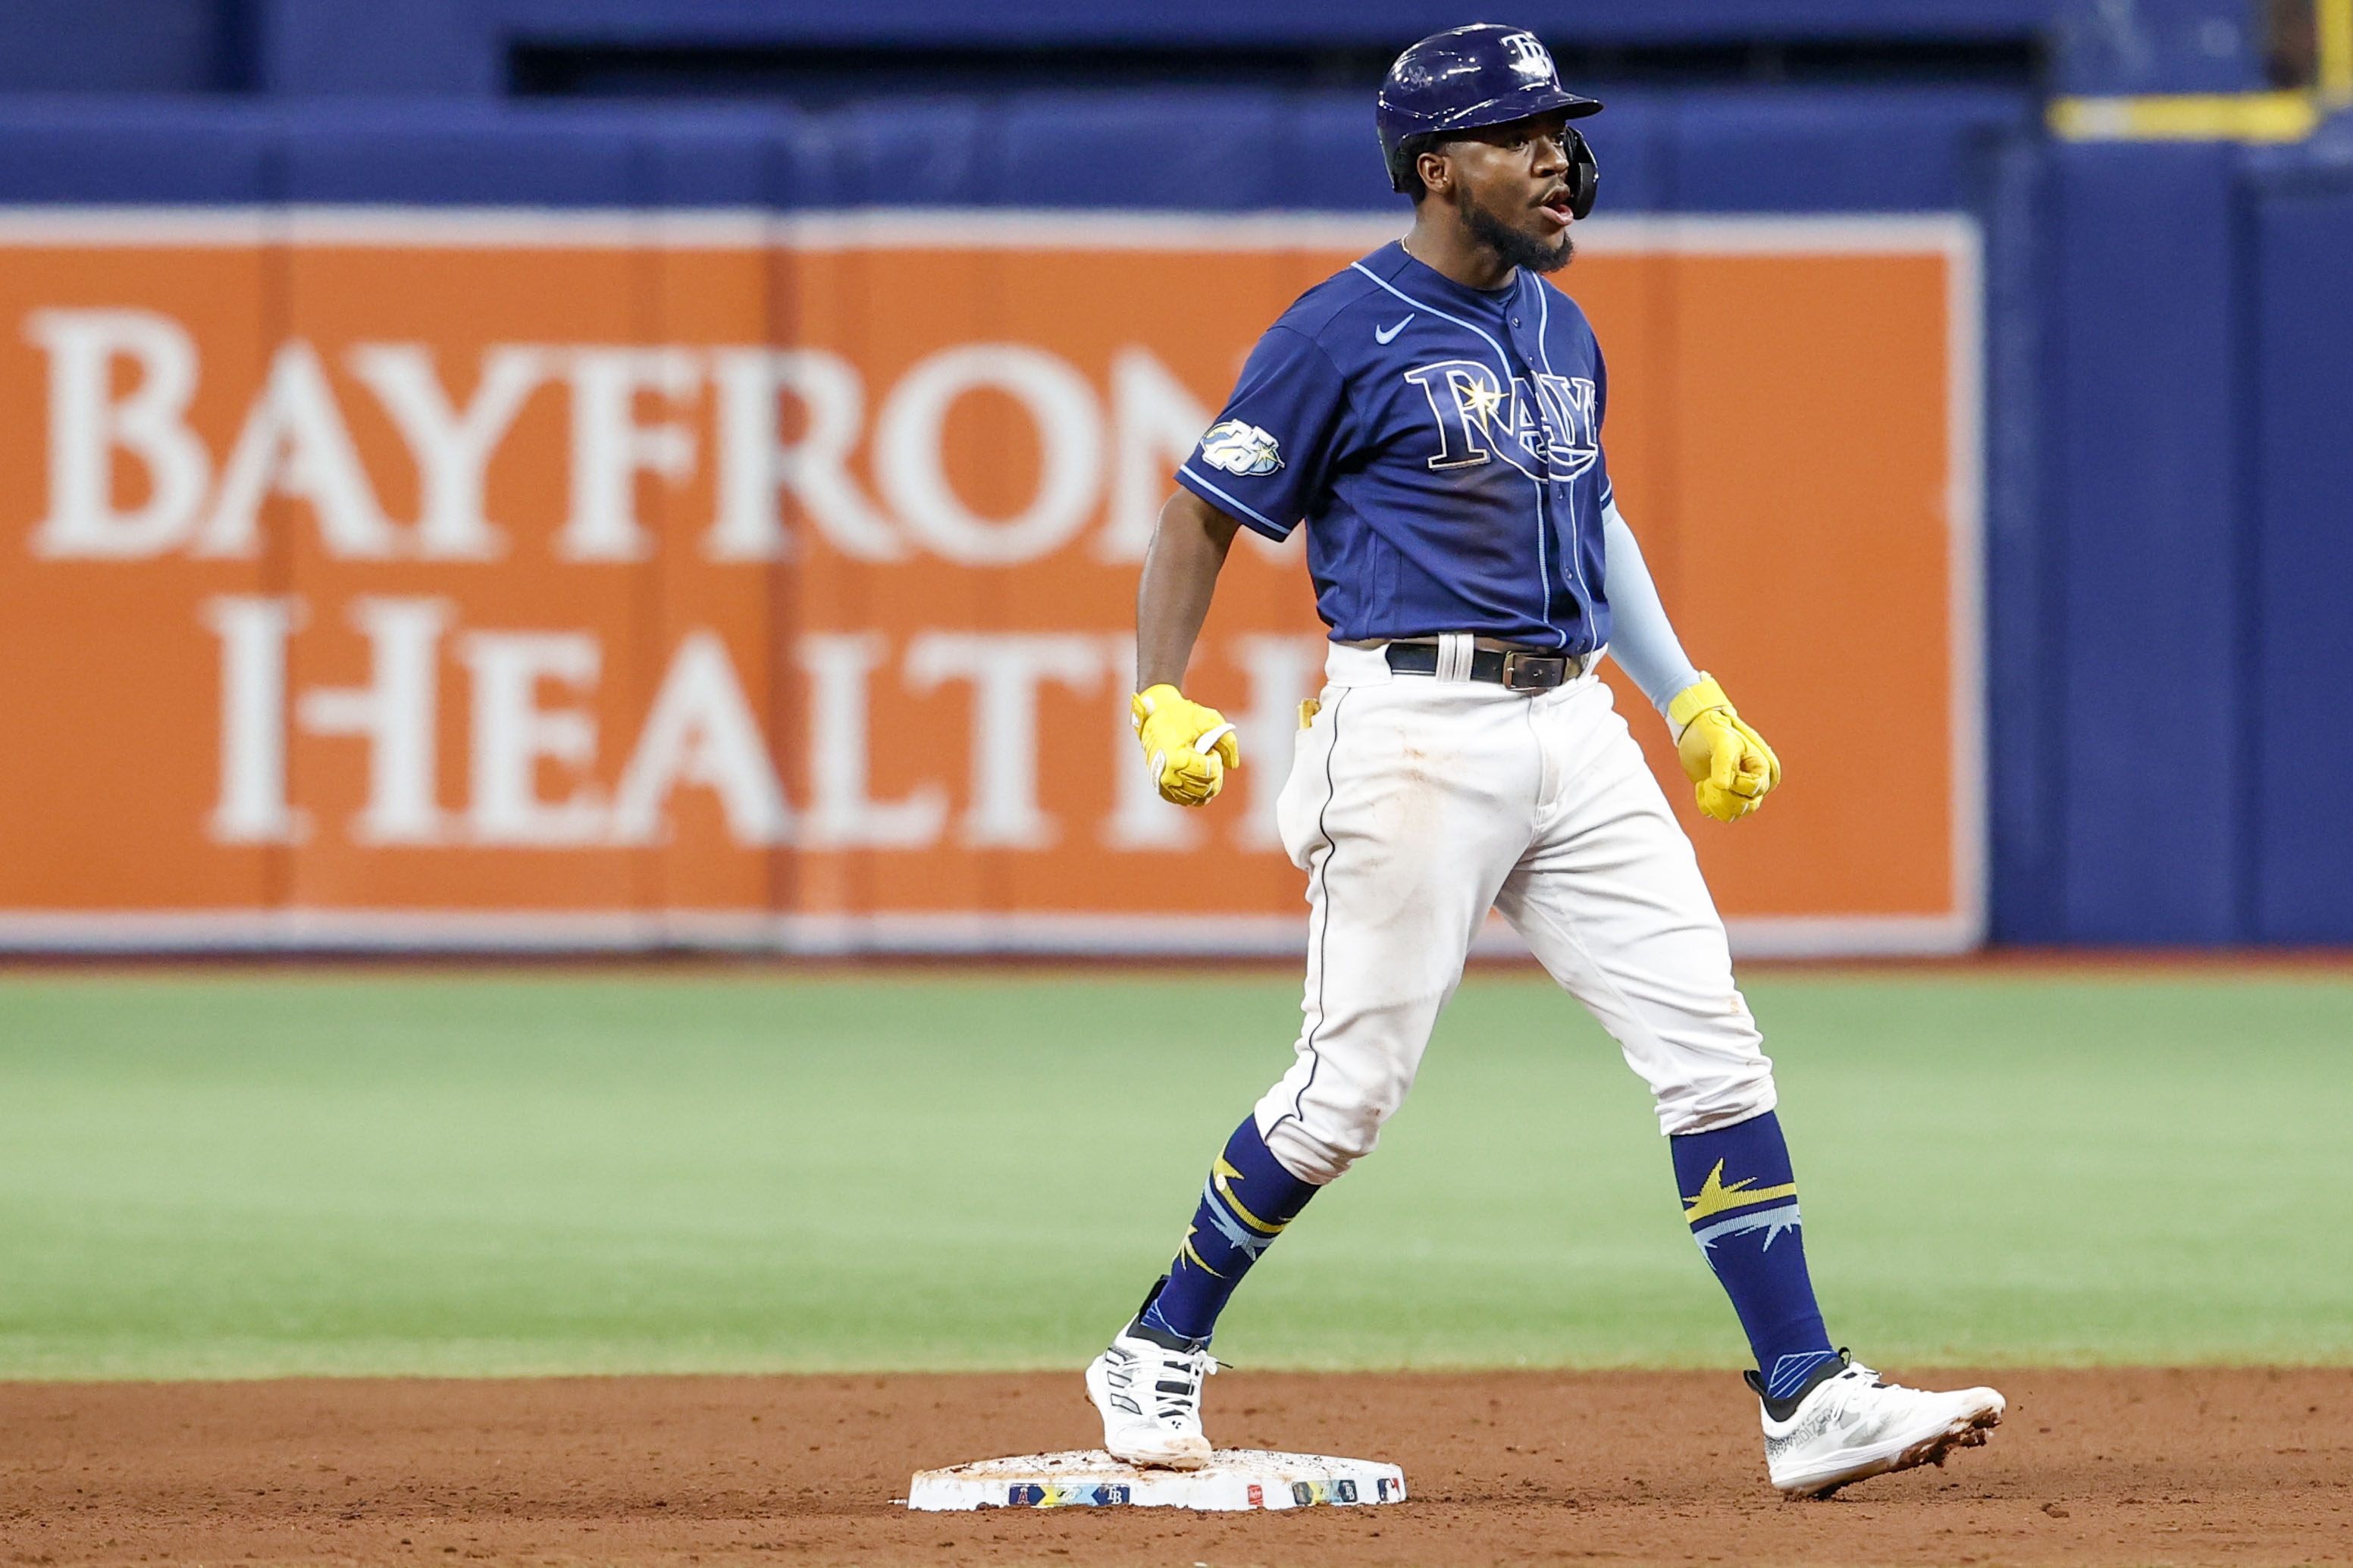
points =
(1857, 150)
(133, 150)
(731, 158)
(434, 153)
(378, 48)
(2025, 712)
(945, 152)
(1633, 138)
(2303, 836)
(116, 46)
(458, 46)
(1329, 158)
(1207, 150)
(2158, 46)
(1215, 20)
(2148, 623)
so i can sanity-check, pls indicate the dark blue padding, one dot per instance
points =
(1331, 161)
(922, 153)
(2150, 625)
(2303, 639)
(1854, 150)
(462, 155)
(376, 46)
(383, 48)
(432, 48)
(1054, 21)
(122, 46)
(2156, 46)
(1633, 138)
(2025, 710)
(1195, 150)
(727, 157)
(1202, 150)
(135, 149)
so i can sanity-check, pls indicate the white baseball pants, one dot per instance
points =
(1416, 805)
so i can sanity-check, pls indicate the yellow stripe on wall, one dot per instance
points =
(2187, 116)
(2334, 27)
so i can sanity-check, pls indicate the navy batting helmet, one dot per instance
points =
(1464, 78)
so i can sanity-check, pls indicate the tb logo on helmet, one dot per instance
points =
(1529, 56)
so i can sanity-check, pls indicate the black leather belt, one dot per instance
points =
(1518, 670)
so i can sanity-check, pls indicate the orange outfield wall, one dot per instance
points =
(499, 579)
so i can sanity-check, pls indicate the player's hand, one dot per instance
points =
(1186, 746)
(1731, 768)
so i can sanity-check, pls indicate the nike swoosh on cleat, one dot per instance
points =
(1383, 336)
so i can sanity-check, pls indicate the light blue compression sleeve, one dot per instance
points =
(1640, 639)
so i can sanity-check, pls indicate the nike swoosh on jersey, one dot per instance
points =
(1381, 335)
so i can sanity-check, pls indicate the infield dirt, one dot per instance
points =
(2240, 1466)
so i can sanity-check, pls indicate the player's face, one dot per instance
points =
(1511, 187)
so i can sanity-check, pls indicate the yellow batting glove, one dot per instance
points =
(1187, 747)
(1731, 768)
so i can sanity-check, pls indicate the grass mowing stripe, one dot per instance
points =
(254, 1174)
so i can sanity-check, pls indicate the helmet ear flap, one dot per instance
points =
(1584, 176)
(1408, 153)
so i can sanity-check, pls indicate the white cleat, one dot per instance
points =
(1150, 1399)
(1849, 1425)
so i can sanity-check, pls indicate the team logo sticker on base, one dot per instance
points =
(1234, 1480)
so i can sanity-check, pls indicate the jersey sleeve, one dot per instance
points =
(1607, 491)
(1264, 461)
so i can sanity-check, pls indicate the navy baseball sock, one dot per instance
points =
(1245, 1203)
(1742, 1203)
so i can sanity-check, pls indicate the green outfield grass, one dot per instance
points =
(246, 1173)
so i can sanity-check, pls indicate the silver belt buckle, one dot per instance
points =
(1529, 671)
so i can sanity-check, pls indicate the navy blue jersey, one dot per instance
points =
(1442, 445)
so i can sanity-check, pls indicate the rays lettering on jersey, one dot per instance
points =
(1543, 425)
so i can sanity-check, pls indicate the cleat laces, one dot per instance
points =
(1176, 1386)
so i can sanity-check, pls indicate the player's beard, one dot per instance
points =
(1515, 247)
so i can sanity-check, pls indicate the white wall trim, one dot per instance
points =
(892, 228)
(1964, 527)
(975, 934)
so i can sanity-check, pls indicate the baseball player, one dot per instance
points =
(1433, 416)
